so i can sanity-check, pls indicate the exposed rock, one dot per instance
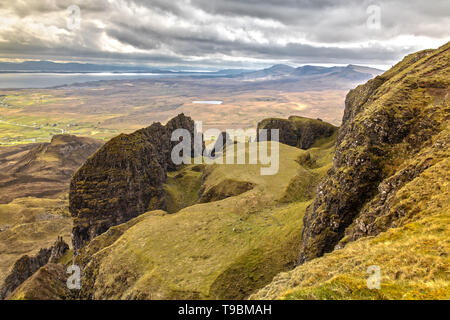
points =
(58, 250)
(297, 131)
(387, 124)
(223, 249)
(123, 179)
(26, 266)
(48, 283)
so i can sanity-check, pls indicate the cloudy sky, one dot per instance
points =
(221, 33)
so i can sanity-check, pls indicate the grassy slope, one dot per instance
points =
(48, 283)
(413, 260)
(28, 225)
(222, 249)
(414, 256)
(182, 187)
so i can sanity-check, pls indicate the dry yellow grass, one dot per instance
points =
(30, 224)
(222, 249)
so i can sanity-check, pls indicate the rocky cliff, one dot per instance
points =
(297, 131)
(26, 266)
(384, 203)
(394, 128)
(48, 283)
(232, 243)
(222, 140)
(123, 179)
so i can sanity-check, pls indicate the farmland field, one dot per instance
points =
(102, 109)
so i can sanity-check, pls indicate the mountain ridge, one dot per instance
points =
(384, 202)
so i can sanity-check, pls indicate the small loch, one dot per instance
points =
(208, 102)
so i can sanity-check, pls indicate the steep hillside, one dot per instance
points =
(44, 169)
(225, 248)
(123, 179)
(30, 224)
(34, 180)
(26, 266)
(385, 200)
(387, 124)
(48, 283)
(413, 262)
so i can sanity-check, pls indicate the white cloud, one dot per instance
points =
(231, 32)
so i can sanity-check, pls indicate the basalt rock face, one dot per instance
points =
(123, 179)
(26, 266)
(394, 128)
(297, 131)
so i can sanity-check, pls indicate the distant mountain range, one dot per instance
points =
(277, 71)
(71, 67)
(281, 71)
(48, 66)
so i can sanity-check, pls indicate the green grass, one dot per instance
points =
(182, 188)
(413, 261)
(411, 203)
(22, 129)
(221, 249)
(30, 224)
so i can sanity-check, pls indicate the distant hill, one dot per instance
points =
(314, 73)
(42, 169)
(49, 66)
(276, 71)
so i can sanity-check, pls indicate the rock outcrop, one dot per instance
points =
(48, 283)
(26, 266)
(224, 249)
(58, 250)
(123, 179)
(394, 128)
(297, 131)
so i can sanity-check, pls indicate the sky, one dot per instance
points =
(221, 33)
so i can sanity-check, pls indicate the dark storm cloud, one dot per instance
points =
(222, 33)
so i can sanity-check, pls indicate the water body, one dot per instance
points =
(45, 80)
(209, 102)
